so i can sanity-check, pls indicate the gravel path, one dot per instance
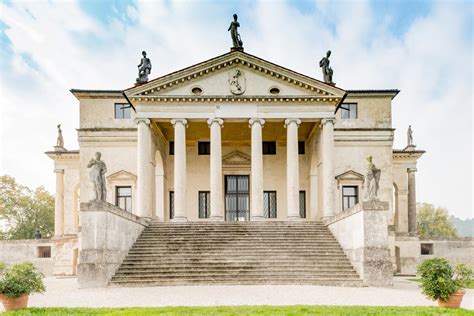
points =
(64, 292)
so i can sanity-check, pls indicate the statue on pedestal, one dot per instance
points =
(97, 175)
(60, 140)
(236, 40)
(409, 136)
(327, 70)
(144, 69)
(372, 179)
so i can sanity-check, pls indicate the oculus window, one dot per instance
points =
(350, 196)
(269, 148)
(204, 204)
(122, 111)
(204, 148)
(270, 204)
(349, 110)
(123, 198)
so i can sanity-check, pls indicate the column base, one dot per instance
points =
(217, 218)
(257, 218)
(179, 220)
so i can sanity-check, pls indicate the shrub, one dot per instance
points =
(439, 280)
(20, 279)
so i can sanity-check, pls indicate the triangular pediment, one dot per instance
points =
(236, 158)
(121, 175)
(236, 75)
(350, 175)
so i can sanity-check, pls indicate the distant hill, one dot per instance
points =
(464, 227)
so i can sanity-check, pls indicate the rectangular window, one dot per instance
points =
(122, 111)
(204, 204)
(350, 196)
(204, 148)
(349, 110)
(171, 204)
(303, 204)
(269, 148)
(123, 198)
(270, 204)
(44, 252)
(301, 147)
(171, 148)
(426, 249)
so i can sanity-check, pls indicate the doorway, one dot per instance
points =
(237, 202)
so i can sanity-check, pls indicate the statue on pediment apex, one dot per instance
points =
(144, 69)
(60, 140)
(326, 69)
(409, 136)
(236, 40)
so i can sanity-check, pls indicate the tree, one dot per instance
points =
(434, 221)
(24, 211)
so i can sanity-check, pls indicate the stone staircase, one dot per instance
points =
(236, 253)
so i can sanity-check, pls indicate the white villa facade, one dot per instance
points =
(236, 138)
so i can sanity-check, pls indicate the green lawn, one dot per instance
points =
(469, 286)
(246, 310)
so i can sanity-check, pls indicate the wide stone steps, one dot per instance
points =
(236, 253)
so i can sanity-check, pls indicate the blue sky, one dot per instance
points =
(423, 48)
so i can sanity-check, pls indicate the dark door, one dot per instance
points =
(237, 204)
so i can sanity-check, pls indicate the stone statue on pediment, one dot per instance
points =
(144, 69)
(409, 136)
(60, 140)
(97, 176)
(326, 69)
(236, 40)
(372, 179)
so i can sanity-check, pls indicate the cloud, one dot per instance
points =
(51, 47)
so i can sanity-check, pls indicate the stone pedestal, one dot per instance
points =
(362, 231)
(108, 233)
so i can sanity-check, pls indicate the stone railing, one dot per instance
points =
(108, 233)
(362, 231)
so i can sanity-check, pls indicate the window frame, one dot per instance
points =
(356, 196)
(171, 148)
(269, 147)
(171, 204)
(118, 197)
(125, 109)
(206, 213)
(301, 147)
(302, 210)
(426, 249)
(268, 212)
(204, 148)
(351, 108)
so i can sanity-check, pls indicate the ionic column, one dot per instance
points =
(256, 178)
(179, 170)
(217, 203)
(292, 168)
(411, 202)
(59, 203)
(144, 171)
(328, 167)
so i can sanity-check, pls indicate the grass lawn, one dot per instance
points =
(469, 286)
(246, 310)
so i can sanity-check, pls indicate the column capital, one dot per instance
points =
(324, 121)
(179, 120)
(256, 120)
(292, 120)
(215, 120)
(142, 120)
(410, 170)
(58, 170)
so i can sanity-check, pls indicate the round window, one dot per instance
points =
(274, 91)
(196, 90)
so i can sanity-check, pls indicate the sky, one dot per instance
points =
(423, 48)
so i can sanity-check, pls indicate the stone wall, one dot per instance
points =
(456, 251)
(15, 251)
(362, 232)
(107, 234)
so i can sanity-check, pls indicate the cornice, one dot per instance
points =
(403, 155)
(63, 155)
(236, 99)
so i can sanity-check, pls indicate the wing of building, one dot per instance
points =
(238, 138)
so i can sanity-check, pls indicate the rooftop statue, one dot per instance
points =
(60, 140)
(144, 69)
(327, 70)
(409, 136)
(97, 175)
(236, 40)
(372, 179)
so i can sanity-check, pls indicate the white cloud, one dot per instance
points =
(431, 63)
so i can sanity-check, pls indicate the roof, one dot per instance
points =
(391, 92)
(88, 93)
